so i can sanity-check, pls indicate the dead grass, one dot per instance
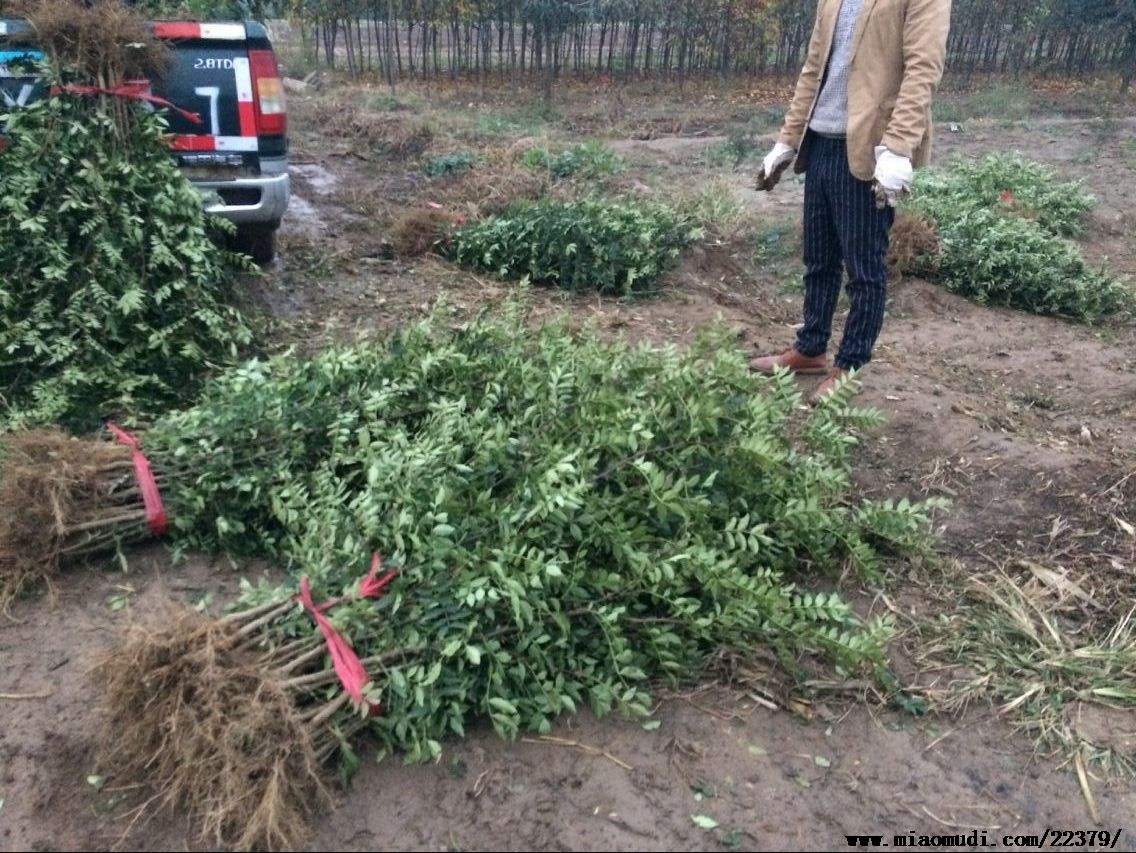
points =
(491, 187)
(45, 476)
(210, 731)
(1036, 641)
(1041, 631)
(371, 133)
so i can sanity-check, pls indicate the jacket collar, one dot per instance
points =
(861, 21)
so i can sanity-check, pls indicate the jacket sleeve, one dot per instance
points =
(796, 119)
(925, 32)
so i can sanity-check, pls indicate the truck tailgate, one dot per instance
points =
(209, 75)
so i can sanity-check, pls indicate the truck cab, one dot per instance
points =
(226, 73)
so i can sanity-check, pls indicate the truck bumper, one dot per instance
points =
(247, 201)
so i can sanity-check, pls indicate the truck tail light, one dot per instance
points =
(271, 119)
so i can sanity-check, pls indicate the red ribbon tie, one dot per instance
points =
(144, 474)
(129, 90)
(374, 584)
(352, 674)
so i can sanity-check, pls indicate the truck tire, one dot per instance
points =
(258, 242)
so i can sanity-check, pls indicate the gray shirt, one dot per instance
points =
(831, 113)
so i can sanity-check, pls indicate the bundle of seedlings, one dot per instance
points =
(61, 499)
(573, 521)
(1010, 183)
(231, 716)
(618, 247)
(114, 296)
(1003, 226)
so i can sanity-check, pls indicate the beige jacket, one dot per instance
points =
(898, 50)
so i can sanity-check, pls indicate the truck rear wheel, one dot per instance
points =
(258, 242)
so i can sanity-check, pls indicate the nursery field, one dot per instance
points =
(1013, 658)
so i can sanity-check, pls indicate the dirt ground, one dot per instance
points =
(1027, 424)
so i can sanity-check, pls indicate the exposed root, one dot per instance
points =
(421, 231)
(914, 247)
(105, 41)
(52, 487)
(211, 726)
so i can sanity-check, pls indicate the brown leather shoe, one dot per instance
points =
(834, 378)
(794, 362)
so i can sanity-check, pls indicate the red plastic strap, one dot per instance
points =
(151, 497)
(352, 674)
(130, 90)
(374, 584)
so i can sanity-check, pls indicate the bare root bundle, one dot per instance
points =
(229, 719)
(213, 728)
(914, 244)
(103, 44)
(422, 230)
(61, 498)
(106, 42)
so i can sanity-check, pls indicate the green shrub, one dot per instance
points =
(574, 524)
(1002, 260)
(610, 246)
(1002, 224)
(576, 519)
(113, 297)
(449, 164)
(1011, 184)
(587, 160)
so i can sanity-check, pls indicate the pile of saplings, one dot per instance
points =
(572, 521)
(613, 246)
(1005, 226)
(115, 297)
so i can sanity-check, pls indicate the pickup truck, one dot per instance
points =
(226, 73)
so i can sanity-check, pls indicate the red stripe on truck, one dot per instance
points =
(246, 97)
(183, 142)
(248, 118)
(175, 30)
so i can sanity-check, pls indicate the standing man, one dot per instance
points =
(861, 114)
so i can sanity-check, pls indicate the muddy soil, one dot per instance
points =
(1023, 422)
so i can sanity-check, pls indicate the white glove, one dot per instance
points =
(893, 173)
(778, 157)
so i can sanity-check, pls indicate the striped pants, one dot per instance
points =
(843, 228)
